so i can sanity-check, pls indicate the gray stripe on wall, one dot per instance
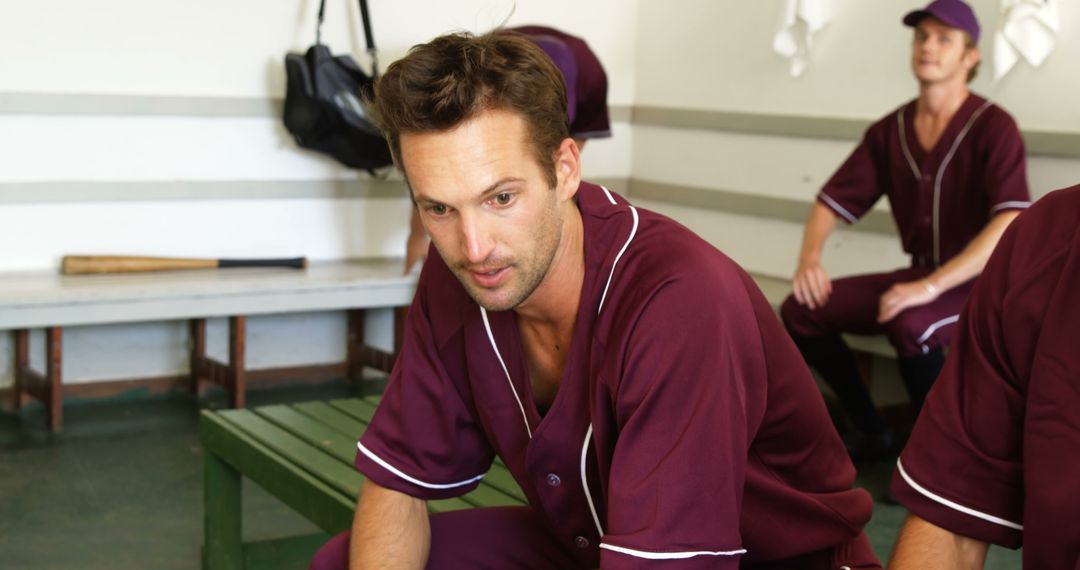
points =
(1040, 143)
(44, 192)
(111, 104)
(750, 123)
(620, 113)
(144, 191)
(1043, 143)
(789, 209)
(148, 191)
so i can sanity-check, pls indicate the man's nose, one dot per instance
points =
(477, 238)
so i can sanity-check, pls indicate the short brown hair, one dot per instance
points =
(453, 78)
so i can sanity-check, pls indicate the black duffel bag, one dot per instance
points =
(324, 102)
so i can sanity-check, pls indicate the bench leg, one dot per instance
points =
(355, 350)
(54, 378)
(197, 340)
(237, 366)
(22, 363)
(864, 361)
(222, 540)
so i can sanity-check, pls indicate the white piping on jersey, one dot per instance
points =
(838, 208)
(934, 327)
(941, 173)
(1020, 204)
(414, 480)
(609, 196)
(904, 145)
(491, 337)
(670, 555)
(930, 330)
(585, 482)
(952, 505)
(633, 232)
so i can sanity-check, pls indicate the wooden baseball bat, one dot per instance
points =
(82, 264)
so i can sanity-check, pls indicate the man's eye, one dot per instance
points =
(503, 199)
(437, 209)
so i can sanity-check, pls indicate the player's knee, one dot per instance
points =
(334, 555)
(797, 318)
(908, 335)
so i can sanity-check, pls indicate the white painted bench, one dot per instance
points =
(31, 300)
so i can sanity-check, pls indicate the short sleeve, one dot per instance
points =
(424, 440)
(1005, 171)
(855, 186)
(962, 467)
(679, 466)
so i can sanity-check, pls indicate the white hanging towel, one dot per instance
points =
(801, 20)
(1028, 29)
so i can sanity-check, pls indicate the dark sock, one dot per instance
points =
(919, 373)
(832, 358)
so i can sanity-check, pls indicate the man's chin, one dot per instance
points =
(494, 300)
(493, 303)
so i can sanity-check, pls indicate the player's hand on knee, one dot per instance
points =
(903, 296)
(811, 285)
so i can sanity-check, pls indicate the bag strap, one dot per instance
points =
(318, 25)
(369, 38)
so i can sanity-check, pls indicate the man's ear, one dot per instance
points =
(972, 57)
(567, 169)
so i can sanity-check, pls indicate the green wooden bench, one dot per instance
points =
(303, 455)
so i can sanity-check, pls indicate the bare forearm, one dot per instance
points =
(819, 224)
(924, 546)
(970, 261)
(390, 531)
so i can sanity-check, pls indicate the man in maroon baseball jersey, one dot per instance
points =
(993, 458)
(586, 98)
(953, 168)
(631, 377)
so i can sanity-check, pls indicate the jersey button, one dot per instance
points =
(553, 480)
(581, 542)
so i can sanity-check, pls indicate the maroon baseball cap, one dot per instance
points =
(954, 13)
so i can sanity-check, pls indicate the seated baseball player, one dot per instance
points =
(952, 165)
(586, 106)
(631, 377)
(993, 458)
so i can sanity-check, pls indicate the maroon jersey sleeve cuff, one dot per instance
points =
(615, 557)
(423, 439)
(837, 208)
(940, 510)
(377, 464)
(1009, 205)
(1005, 173)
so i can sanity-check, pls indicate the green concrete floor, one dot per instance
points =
(121, 487)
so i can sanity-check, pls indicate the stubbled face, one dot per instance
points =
(939, 53)
(487, 206)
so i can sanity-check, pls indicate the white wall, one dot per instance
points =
(717, 56)
(202, 49)
(235, 48)
(714, 55)
(692, 54)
